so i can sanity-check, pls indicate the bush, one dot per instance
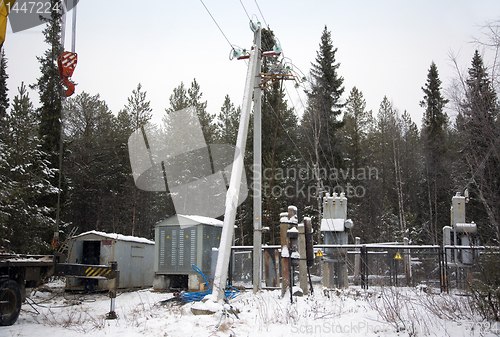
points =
(485, 287)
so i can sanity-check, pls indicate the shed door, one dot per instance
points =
(91, 252)
(137, 266)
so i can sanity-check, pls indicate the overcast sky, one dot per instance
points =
(385, 48)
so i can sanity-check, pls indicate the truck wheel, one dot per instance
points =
(10, 302)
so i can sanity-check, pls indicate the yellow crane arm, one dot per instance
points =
(5, 6)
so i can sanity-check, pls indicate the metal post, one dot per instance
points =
(235, 183)
(73, 23)
(113, 287)
(257, 172)
(63, 22)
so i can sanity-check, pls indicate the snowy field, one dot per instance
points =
(351, 312)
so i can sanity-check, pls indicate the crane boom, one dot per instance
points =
(5, 6)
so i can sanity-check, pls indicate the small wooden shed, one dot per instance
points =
(134, 255)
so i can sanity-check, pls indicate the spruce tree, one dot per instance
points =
(325, 100)
(50, 95)
(28, 222)
(478, 126)
(4, 99)
(434, 137)
(49, 88)
(320, 125)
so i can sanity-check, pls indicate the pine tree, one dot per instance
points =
(228, 122)
(358, 156)
(138, 108)
(138, 111)
(385, 159)
(278, 136)
(357, 122)
(206, 119)
(434, 137)
(91, 162)
(411, 176)
(386, 130)
(179, 99)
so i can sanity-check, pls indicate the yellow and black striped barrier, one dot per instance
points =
(97, 271)
(84, 270)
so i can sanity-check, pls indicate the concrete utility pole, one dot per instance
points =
(257, 171)
(221, 269)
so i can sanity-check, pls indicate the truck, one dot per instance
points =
(18, 272)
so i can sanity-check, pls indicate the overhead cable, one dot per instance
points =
(216, 23)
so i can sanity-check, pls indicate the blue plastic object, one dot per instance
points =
(186, 297)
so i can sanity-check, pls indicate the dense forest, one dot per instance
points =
(399, 179)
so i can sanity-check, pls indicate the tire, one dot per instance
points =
(10, 302)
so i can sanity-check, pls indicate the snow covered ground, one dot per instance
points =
(351, 312)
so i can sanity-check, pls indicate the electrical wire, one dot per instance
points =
(216, 23)
(248, 16)
(261, 14)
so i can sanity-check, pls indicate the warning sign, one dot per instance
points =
(319, 253)
(398, 256)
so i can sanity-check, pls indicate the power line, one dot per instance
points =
(217, 23)
(261, 14)
(248, 16)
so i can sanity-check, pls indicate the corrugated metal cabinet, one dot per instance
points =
(183, 240)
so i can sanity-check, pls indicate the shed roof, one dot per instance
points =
(118, 237)
(191, 220)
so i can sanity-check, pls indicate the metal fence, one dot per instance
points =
(370, 265)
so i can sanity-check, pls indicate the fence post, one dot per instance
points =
(364, 267)
(357, 260)
(407, 266)
(285, 261)
(303, 260)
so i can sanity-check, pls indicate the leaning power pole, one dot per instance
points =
(221, 268)
(255, 83)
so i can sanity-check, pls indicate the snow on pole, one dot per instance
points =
(234, 184)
